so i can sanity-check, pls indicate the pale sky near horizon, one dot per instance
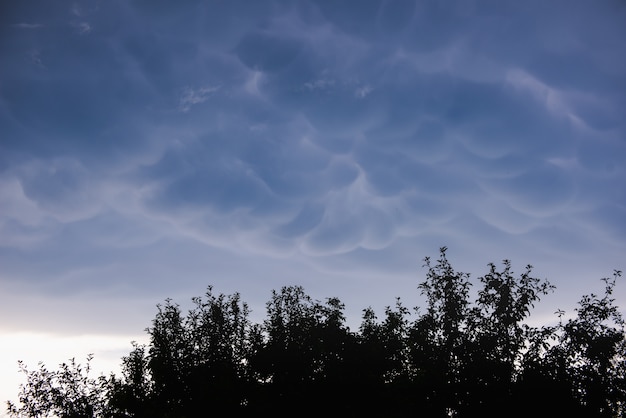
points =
(151, 148)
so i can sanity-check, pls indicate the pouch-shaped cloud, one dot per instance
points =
(552, 99)
(267, 52)
(602, 155)
(353, 218)
(496, 211)
(542, 190)
(307, 219)
(606, 220)
(62, 188)
(223, 183)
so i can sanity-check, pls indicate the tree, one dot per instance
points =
(440, 337)
(300, 361)
(468, 353)
(592, 347)
(131, 395)
(66, 393)
(465, 354)
(383, 357)
(500, 337)
(200, 359)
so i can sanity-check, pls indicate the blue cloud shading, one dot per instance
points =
(317, 133)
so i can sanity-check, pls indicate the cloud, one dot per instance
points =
(353, 218)
(191, 97)
(363, 91)
(16, 204)
(540, 191)
(267, 51)
(547, 96)
(83, 27)
(319, 84)
(35, 58)
(27, 25)
(61, 188)
(252, 84)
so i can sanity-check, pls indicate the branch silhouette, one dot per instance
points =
(461, 357)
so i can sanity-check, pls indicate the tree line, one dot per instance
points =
(464, 354)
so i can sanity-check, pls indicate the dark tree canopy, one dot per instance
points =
(460, 355)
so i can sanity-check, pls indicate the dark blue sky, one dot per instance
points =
(151, 148)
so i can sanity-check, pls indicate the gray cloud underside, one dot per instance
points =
(303, 129)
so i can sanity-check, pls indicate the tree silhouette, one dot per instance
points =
(68, 392)
(131, 395)
(470, 352)
(301, 359)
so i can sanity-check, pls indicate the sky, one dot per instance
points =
(149, 149)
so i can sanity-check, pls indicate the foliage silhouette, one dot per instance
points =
(461, 357)
(67, 393)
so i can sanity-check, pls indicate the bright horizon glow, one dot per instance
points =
(53, 350)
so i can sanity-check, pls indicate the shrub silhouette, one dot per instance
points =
(459, 357)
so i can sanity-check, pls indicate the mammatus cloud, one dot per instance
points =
(253, 83)
(449, 120)
(553, 100)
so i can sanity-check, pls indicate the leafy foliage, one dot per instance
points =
(461, 357)
(68, 392)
